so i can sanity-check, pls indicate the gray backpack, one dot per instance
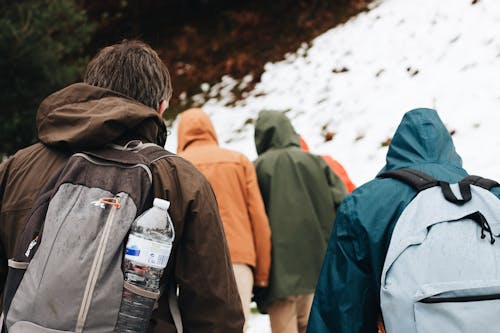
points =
(442, 269)
(66, 273)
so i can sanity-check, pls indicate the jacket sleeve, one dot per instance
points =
(496, 191)
(207, 294)
(346, 299)
(4, 169)
(337, 187)
(260, 226)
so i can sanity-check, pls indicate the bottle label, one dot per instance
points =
(147, 252)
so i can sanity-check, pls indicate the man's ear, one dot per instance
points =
(162, 107)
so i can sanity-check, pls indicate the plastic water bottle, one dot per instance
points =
(146, 255)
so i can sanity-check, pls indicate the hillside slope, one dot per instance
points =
(355, 82)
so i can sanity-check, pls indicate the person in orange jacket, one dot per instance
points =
(242, 210)
(334, 165)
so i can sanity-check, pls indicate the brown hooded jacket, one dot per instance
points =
(83, 117)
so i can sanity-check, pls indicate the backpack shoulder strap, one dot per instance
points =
(417, 179)
(421, 181)
(153, 152)
(485, 183)
(134, 152)
(174, 306)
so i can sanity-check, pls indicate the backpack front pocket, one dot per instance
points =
(458, 307)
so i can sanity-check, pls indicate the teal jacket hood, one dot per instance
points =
(273, 130)
(421, 138)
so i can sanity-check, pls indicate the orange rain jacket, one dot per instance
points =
(234, 182)
(334, 165)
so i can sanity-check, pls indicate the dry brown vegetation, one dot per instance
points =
(203, 40)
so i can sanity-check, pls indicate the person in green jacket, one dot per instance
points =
(301, 195)
(347, 298)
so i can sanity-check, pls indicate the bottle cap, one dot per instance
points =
(160, 203)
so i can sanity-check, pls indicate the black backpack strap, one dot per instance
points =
(421, 181)
(465, 191)
(417, 179)
(485, 183)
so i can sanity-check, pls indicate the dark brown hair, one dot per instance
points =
(132, 68)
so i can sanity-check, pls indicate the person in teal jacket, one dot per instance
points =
(347, 294)
(301, 195)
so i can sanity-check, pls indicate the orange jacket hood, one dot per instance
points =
(195, 127)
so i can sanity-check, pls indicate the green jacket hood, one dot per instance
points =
(273, 130)
(421, 138)
(82, 116)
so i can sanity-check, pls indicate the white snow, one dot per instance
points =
(258, 323)
(402, 54)
(454, 46)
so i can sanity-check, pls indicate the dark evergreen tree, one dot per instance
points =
(41, 48)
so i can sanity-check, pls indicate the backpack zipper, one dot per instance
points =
(121, 165)
(95, 269)
(458, 299)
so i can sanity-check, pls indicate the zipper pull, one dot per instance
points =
(114, 202)
(31, 246)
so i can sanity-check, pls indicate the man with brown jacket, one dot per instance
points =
(126, 88)
(243, 214)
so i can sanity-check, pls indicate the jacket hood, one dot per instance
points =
(273, 130)
(195, 127)
(421, 138)
(83, 116)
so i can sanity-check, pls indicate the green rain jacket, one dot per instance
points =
(301, 195)
(347, 296)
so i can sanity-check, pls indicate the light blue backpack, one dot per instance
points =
(442, 269)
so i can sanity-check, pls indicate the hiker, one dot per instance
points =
(337, 168)
(125, 90)
(234, 182)
(348, 296)
(301, 195)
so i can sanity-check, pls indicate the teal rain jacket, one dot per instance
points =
(347, 295)
(301, 195)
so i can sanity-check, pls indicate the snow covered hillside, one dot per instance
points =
(358, 79)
